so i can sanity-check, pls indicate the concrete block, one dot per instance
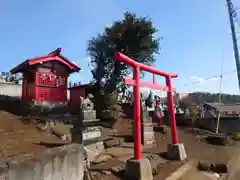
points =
(89, 114)
(139, 169)
(176, 152)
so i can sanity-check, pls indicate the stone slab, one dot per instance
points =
(112, 142)
(189, 171)
(89, 114)
(102, 158)
(119, 151)
(176, 152)
(139, 169)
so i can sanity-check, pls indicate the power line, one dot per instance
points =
(210, 78)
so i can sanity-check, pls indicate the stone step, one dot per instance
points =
(91, 120)
(91, 123)
(92, 133)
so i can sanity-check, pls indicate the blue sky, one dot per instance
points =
(196, 35)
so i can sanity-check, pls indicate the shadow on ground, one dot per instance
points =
(127, 138)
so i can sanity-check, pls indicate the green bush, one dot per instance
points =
(107, 107)
(236, 136)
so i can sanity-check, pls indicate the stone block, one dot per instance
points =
(92, 133)
(163, 129)
(147, 133)
(89, 114)
(216, 139)
(112, 142)
(94, 150)
(139, 169)
(156, 162)
(148, 138)
(176, 152)
(147, 128)
(118, 168)
(204, 166)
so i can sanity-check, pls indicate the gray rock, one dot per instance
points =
(102, 158)
(106, 173)
(113, 142)
(156, 162)
(119, 168)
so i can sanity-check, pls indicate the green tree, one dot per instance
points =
(149, 100)
(133, 36)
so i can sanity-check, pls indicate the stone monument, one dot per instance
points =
(147, 131)
(91, 130)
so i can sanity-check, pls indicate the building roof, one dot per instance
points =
(229, 108)
(52, 56)
(83, 86)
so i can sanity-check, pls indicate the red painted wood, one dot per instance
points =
(51, 87)
(75, 94)
(123, 58)
(132, 82)
(137, 67)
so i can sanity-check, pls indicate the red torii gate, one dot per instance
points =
(137, 67)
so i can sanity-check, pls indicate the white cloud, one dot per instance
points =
(196, 79)
(201, 80)
(213, 79)
(87, 59)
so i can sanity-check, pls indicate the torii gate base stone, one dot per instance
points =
(139, 168)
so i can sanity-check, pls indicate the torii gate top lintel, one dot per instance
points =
(123, 58)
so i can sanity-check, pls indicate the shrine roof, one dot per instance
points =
(52, 56)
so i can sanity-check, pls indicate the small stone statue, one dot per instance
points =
(87, 103)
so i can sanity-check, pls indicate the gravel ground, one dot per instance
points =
(196, 147)
(18, 138)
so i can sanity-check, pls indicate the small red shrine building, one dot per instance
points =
(45, 77)
(80, 90)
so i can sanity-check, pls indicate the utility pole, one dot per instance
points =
(234, 38)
